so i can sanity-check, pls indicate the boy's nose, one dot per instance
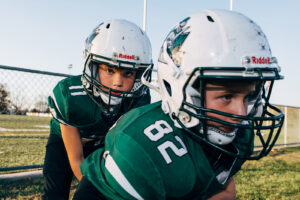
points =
(117, 81)
(239, 108)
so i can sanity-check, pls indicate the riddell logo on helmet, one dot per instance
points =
(261, 60)
(132, 57)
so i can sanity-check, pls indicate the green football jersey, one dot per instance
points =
(71, 105)
(147, 157)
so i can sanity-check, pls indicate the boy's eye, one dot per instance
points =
(226, 97)
(128, 73)
(109, 70)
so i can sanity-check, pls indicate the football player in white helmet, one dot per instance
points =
(213, 69)
(121, 47)
(84, 107)
(220, 51)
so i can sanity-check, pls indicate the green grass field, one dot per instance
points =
(276, 176)
(23, 121)
(22, 151)
(23, 140)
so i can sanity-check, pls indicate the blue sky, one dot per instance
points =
(49, 35)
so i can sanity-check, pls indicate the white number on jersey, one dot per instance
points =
(156, 131)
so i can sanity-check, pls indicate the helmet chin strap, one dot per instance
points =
(107, 99)
(220, 137)
(112, 100)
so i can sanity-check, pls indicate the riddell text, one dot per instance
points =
(132, 57)
(261, 60)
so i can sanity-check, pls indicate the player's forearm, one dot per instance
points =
(73, 145)
(224, 195)
(76, 168)
(228, 194)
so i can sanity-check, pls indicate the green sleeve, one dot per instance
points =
(59, 103)
(132, 165)
(120, 172)
(69, 104)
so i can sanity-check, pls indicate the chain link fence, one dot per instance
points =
(24, 117)
(290, 132)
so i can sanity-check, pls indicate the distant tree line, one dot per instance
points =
(14, 105)
(4, 101)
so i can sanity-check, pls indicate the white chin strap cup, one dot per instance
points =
(113, 100)
(220, 137)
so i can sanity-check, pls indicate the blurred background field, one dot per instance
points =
(23, 139)
(274, 177)
(40, 124)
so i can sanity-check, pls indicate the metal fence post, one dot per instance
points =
(285, 126)
(299, 123)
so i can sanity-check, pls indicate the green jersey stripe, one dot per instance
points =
(115, 171)
(78, 93)
(74, 87)
(52, 111)
(56, 106)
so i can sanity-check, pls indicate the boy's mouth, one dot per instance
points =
(116, 93)
(111, 92)
(226, 129)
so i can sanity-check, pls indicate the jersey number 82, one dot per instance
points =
(157, 131)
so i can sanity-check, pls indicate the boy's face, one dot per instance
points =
(230, 97)
(118, 79)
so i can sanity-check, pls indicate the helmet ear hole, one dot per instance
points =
(168, 87)
(210, 18)
(196, 83)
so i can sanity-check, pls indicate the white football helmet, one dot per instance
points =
(120, 44)
(218, 44)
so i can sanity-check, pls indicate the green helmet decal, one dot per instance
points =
(175, 40)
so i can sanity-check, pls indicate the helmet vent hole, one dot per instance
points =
(210, 18)
(168, 87)
(107, 26)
